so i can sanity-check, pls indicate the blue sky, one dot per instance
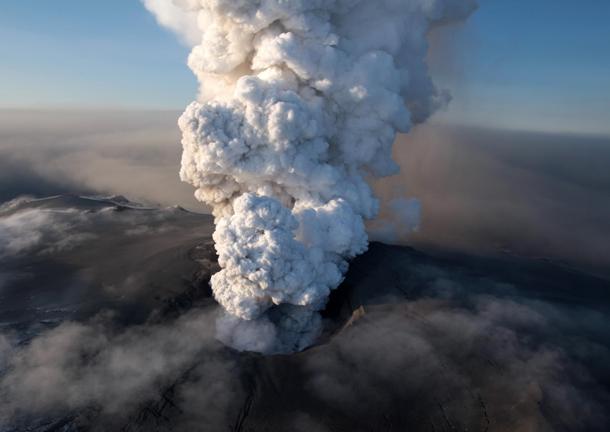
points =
(537, 65)
(108, 53)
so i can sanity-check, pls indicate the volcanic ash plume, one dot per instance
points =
(300, 102)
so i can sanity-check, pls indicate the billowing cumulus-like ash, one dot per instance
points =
(300, 102)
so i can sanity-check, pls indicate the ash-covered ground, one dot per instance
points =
(107, 324)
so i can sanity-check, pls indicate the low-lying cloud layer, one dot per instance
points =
(29, 227)
(75, 365)
(438, 346)
(499, 362)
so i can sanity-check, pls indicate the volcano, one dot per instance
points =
(411, 340)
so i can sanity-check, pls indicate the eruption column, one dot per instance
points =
(300, 103)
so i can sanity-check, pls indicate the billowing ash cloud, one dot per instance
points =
(176, 18)
(300, 102)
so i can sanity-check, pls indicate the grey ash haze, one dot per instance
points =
(481, 191)
(89, 151)
(108, 321)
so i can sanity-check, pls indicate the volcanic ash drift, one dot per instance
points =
(300, 102)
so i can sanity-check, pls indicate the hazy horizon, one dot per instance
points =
(503, 67)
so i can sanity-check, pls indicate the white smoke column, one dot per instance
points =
(300, 102)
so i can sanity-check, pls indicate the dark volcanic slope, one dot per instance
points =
(424, 343)
(69, 257)
(411, 341)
